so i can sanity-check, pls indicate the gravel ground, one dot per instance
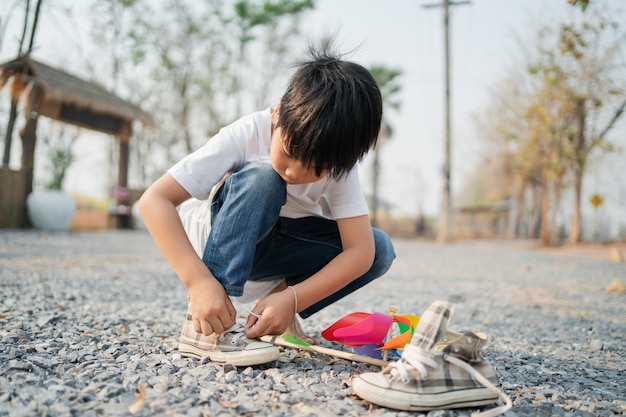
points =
(90, 319)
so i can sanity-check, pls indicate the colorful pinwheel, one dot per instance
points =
(360, 330)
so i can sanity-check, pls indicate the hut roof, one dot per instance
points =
(63, 87)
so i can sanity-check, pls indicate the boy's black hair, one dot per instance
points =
(330, 114)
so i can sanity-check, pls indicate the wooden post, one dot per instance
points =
(124, 220)
(28, 134)
(124, 137)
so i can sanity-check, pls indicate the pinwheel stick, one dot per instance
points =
(280, 341)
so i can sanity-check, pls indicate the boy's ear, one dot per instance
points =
(276, 114)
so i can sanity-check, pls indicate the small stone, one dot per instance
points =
(596, 344)
(280, 388)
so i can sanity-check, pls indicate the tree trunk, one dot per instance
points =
(513, 220)
(579, 170)
(6, 158)
(556, 202)
(574, 236)
(545, 234)
(375, 182)
(535, 217)
(545, 230)
(29, 139)
(28, 134)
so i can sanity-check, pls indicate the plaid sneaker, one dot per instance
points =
(434, 373)
(232, 346)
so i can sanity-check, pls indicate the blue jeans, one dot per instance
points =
(250, 241)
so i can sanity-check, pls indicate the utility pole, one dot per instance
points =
(445, 222)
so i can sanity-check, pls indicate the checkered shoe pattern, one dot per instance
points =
(432, 325)
(433, 374)
(232, 346)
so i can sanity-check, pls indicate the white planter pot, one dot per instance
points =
(137, 220)
(51, 209)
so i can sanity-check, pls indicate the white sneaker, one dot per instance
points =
(231, 346)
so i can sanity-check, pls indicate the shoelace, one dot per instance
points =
(480, 378)
(413, 357)
(237, 330)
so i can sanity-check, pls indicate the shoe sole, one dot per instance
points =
(399, 400)
(239, 358)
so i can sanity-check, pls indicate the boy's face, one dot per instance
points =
(290, 169)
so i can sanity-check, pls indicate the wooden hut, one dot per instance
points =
(50, 92)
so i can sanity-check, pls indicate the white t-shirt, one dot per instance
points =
(248, 140)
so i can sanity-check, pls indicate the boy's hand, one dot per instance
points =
(271, 315)
(211, 308)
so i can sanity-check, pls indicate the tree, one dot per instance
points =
(28, 132)
(550, 120)
(177, 63)
(545, 148)
(4, 21)
(250, 15)
(590, 54)
(8, 137)
(524, 122)
(387, 80)
(179, 59)
(109, 34)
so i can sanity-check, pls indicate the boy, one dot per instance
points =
(288, 219)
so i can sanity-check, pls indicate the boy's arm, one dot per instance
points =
(211, 308)
(277, 309)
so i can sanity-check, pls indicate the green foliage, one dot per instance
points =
(583, 4)
(60, 160)
(390, 87)
(251, 14)
(58, 141)
(191, 64)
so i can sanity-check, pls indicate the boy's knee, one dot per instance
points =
(257, 168)
(385, 253)
(259, 177)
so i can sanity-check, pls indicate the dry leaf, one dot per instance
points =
(616, 255)
(303, 408)
(226, 404)
(616, 286)
(139, 401)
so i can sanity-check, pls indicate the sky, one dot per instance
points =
(486, 42)
(485, 39)
(484, 35)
